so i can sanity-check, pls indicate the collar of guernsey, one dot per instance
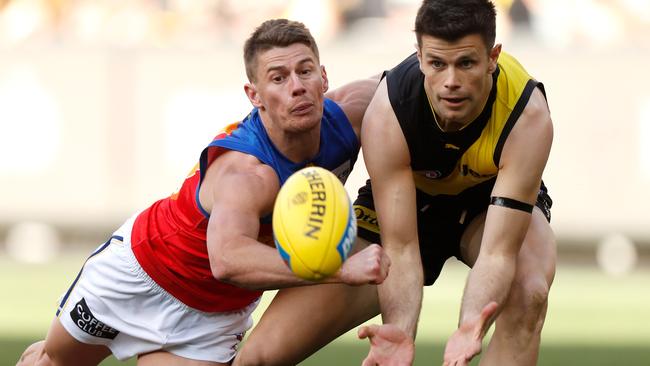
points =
(338, 151)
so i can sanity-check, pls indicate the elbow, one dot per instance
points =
(222, 266)
(221, 274)
(222, 270)
(226, 272)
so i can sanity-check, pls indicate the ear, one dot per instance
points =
(418, 53)
(494, 56)
(253, 95)
(326, 83)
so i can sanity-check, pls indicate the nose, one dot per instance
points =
(297, 86)
(452, 79)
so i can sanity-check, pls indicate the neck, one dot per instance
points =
(296, 146)
(447, 125)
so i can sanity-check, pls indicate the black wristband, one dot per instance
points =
(510, 203)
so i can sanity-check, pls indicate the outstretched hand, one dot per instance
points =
(466, 342)
(389, 346)
(368, 266)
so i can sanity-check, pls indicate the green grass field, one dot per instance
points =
(593, 319)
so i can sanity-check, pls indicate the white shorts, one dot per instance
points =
(113, 302)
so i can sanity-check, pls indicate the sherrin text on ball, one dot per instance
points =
(314, 227)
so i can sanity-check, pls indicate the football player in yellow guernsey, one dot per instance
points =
(455, 142)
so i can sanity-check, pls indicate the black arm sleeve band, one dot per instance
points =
(510, 203)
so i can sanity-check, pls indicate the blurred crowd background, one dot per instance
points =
(106, 104)
(205, 23)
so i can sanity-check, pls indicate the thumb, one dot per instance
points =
(487, 314)
(367, 332)
(386, 261)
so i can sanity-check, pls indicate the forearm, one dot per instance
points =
(400, 295)
(253, 265)
(489, 280)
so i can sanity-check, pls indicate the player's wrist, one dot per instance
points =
(342, 275)
(335, 278)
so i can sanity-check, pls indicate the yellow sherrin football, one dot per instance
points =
(314, 227)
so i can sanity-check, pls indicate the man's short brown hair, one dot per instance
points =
(275, 33)
(454, 19)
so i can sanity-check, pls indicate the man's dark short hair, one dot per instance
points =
(454, 19)
(275, 33)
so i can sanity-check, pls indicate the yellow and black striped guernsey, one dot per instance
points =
(448, 163)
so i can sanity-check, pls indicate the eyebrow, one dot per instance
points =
(463, 56)
(283, 67)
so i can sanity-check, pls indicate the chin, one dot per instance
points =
(304, 124)
(455, 116)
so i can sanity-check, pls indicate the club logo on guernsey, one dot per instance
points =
(318, 197)
(432, 174)
(86, 321)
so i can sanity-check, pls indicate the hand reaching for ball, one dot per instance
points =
(368, 266)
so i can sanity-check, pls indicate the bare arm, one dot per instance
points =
(234, 224)
(238, 190)
(388, 162)
(354, 98)
(521, 165)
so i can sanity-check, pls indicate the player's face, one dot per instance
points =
(457, 77)
(289, 88)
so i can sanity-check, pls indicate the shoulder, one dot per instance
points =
(532, 135)
(381, 133)
(403, 77)
(236, 175)
(536, 114)
(380, 115)
(353, 98)
(380, 110)
(514, 83)
(407, 65)
(380, 101)
(405, 89)
(238, 163)
(526, 152)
